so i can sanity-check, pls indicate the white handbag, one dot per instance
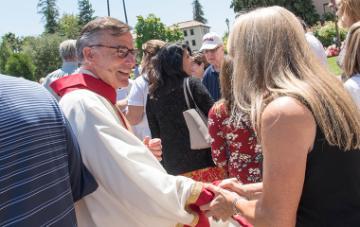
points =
(196, 122)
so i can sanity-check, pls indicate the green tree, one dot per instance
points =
(50, 14)
(302, 8)
(44, 51)
(198, 13)
(85, 12)
(14, 42)
(152, 28)
(69, 26)
(5, 53)
(20, 65)
(241, 5)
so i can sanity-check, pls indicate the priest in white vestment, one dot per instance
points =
(134, 189)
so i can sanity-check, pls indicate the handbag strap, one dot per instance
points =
(185, 93)
(187, 87)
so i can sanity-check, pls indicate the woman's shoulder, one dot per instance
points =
(197, 85)
(287, 111)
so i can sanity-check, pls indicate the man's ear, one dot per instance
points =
(88, 54)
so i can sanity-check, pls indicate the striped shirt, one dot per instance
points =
(41, 173)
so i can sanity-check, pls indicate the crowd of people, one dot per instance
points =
(93, 147)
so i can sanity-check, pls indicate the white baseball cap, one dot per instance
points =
(211, 40)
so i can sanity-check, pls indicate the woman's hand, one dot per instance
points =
(154, 146)
(222, 206)
(249, 191)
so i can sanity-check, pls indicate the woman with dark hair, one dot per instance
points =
(165, 106)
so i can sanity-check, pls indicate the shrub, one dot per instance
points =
(20, 65)
(328, 16)
(327, 33)
(44, 52)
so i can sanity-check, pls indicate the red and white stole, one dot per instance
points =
(75, 82)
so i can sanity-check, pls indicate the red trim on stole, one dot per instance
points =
(205, 197)
(74, 82)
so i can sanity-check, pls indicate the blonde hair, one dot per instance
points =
(227, 97)
(150, 48)
(350, 8)
(352, 55)
(272, 59)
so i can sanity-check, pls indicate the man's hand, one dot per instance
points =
(221, 207)
(154, 146)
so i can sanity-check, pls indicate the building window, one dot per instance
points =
(185, 33)
(187, 42)
(191, 31)
(193, 42)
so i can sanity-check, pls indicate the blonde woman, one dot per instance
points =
(137, 97)
(307, 123)
(352, 63)
(348, 12)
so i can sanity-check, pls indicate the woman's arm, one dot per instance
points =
(288, 132)
(136, 102)
(135, 114)
(218, 141)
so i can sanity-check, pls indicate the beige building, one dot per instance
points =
(193, 33)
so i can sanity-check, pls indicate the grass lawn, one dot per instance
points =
(334, 68)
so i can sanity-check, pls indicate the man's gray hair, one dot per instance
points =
(67, 50)
(93, 30)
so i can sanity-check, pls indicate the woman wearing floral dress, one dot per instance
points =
(234, 145)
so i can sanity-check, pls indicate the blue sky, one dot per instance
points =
(21, 17)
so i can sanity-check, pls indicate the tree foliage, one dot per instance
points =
(20, 65)
(301, 8)
(44, 51)
(5, 53)
(85, 12)
(327, 33)
(152, 28)
(198, 13)
(15, 43)
(50, 14)
(10, 44)
(69, 26)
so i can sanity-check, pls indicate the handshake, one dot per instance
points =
(230, 197)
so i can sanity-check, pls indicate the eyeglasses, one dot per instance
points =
(121, 51)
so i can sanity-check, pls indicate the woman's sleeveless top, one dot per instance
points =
(331, 192)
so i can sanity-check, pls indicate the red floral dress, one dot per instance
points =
(234, 146)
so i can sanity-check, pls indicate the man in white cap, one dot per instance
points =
(213, 49)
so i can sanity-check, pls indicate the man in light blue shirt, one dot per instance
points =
(68, 55)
